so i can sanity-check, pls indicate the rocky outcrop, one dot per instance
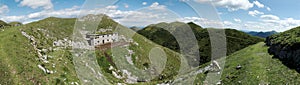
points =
(289, 54)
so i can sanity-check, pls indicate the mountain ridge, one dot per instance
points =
(235, 39)
(59, 68)
(285, 46)
(262, 34)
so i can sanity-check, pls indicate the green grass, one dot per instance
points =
(236, 40)
(258, 67)
(2, 23)
(20, 61)
(52, 29)
(18, 56)
(140, 57)
(287, 38)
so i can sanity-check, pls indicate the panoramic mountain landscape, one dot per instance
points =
(262, 34)
(141, 42)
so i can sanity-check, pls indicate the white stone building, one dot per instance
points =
(100, 39)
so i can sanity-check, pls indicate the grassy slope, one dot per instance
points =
(3, 24)
(287, 38)
(18, 55)
(19, 60)
(236, 40)
(258, 67)
(141, 57)
(14, 23)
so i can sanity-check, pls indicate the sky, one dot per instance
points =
(246, 15)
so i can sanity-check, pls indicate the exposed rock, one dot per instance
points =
(214, 66)
(116, 75)
(238, 67)
(34, 44)
(45, 69)
(219, 82)
(130, 78)
(239, 81)
(288, 54)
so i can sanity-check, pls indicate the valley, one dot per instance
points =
(41, 53)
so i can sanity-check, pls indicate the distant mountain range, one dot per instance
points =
(261, 34)
(11, 24)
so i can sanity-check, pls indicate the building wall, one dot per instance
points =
(103, 39)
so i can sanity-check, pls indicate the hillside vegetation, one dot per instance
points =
(257, 67)
(7, 25)
(262, 34)
(15, 23)
(3, 24)
(236, 40)
(285, 46)
(40, 53)
(27, 58)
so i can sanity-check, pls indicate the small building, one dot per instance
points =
(100, 39)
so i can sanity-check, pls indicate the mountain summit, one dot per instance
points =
(236, 40)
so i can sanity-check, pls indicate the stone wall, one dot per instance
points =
(103, 39)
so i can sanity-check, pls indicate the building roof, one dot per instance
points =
(100, 34)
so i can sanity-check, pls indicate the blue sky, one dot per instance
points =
(256, 15)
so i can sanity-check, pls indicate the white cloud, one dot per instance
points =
(148, 15)
(290, 22)
(237, 20)
(64, 13)
(156, 5)
(258, 4)
(111, 7)
(45, 4)
(268, 8)
(269, 17)
(205, 22)
(268, 23)
(271, 22)
(144, 3)
(232, 5)
(126, 5)
(227, 23)
(13, 18)
(4, 9)
(220, 13)
(255, 12)
(184, 0)
(158, 13)
(280, 24)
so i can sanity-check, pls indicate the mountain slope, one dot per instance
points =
(31, 59)
(29, 55)
(261, 34)
(15, 23)
(257, 67)
(3, 24)
(236, 40)
(285, 46)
